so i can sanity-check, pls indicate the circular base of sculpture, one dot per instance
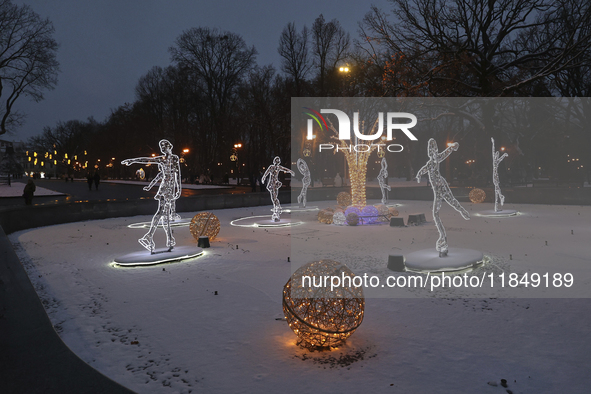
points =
(297, 208)
(501, 214)
(263, 221)
(178, 253)
(428, 260)
(174, 223)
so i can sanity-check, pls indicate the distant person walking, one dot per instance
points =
(97, 179)
(29, 191)
(89, 180)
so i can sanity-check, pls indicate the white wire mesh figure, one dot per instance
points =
(168, 192)
(305, 171)
(382, 179)
(273, 185)
(496, 161)
(441, 190)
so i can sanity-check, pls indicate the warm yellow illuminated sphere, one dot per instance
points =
(322, 318)
(477, 195)
(344, 199)
(205, 223)
(383, 213)
(393, 211)
(307, 152)
(325, 216)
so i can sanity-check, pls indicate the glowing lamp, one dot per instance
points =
(477, 195)
(323, 317)
(205, 224)
(344, 199)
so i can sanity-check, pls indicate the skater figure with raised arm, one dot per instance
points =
(168, 192)
(305, 171)
(274, 184)
(441, 190)
(382, 179)
(496, 161)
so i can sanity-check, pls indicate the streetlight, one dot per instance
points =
(234, 157)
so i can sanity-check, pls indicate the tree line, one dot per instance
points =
(214, 94)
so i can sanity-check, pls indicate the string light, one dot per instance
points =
(477, 195)
(274, 184)
(305, 171)
(323, 316)
(205, 224)
(496, 160)
(441, 190)
(382, 179)
(168, 192)
(357, 162)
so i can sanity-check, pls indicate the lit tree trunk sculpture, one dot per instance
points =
(357, 157)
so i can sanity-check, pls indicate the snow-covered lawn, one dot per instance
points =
(162, 329)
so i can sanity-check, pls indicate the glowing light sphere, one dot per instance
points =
(326, 216)
(344, 199)
(352, 219)
(393, 211)
(383, 213)
(320, 317)
(307, 152)
(205, 223)
(477, 195)
(339, 218)
(369, 215)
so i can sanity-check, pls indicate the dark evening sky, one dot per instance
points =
(106, 45)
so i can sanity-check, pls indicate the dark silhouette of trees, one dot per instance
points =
(294, 52)
(330, 43)
(28, 62)
(479, 47)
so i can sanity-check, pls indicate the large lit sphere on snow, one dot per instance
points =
(205, 224)
(325, 216)
(477, 196)
(344, 199)
(339, 218)
(393, 211)
(319, 316)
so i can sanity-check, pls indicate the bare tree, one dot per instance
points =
(293, 48)
(218, 60)
(330, 44)
(28, 62)
(479, 47)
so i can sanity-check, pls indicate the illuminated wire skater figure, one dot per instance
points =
(305, 171)
(168, 192)
(441, 190)
(382, 179)
(273, 185)
(496, 161)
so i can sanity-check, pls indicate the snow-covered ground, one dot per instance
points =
(162, 329)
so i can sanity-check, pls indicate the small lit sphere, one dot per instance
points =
(307, 152)
(325, 216)
(477, 196)
(205, 224)
(352, 219)
(322, 317)
(383, 213)
(393, 211)
(339, 218)
(344, 199)
(381, 154)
